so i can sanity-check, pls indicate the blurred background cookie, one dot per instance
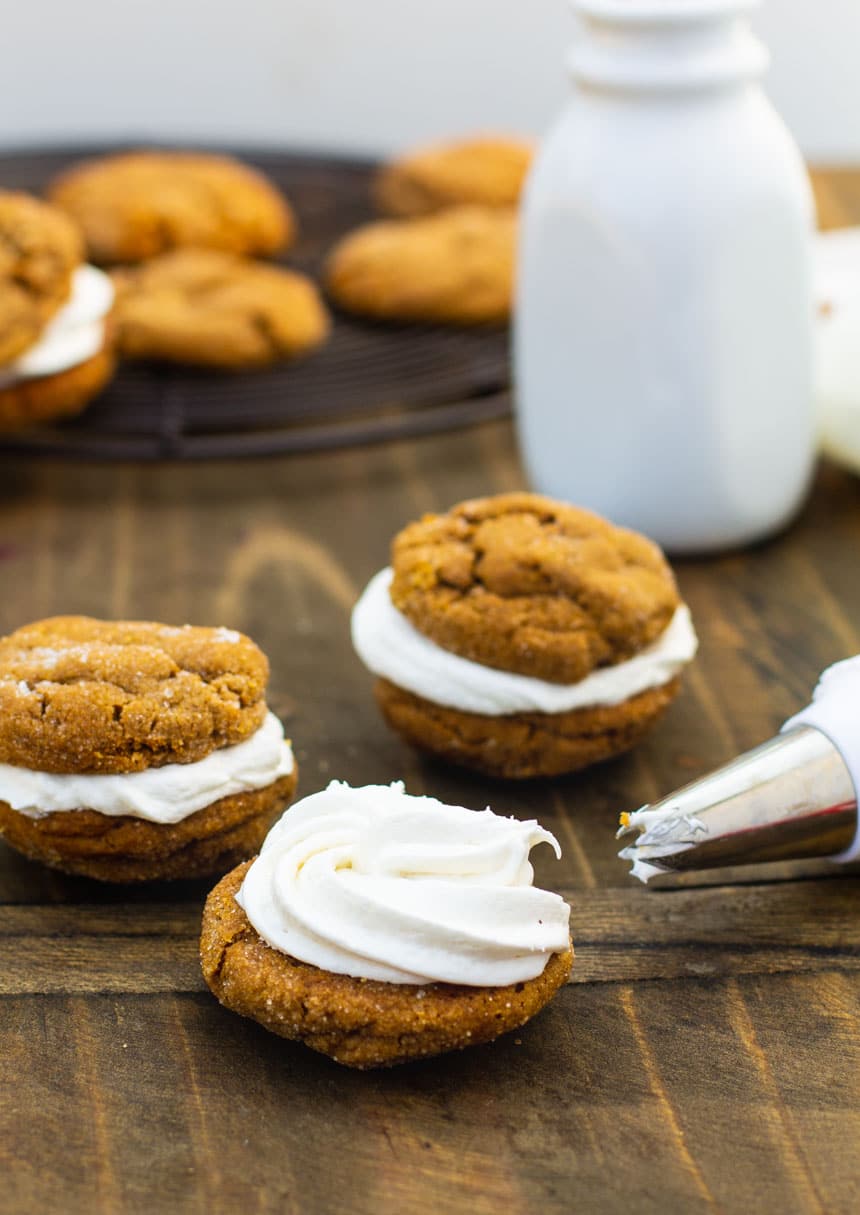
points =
(39, 250)
(452, 268)
(131, 751)
(488, 170)
(216, 310)
(54, 344)
(523, 637)
(139, 204)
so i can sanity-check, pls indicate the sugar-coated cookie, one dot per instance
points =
(455, 268)
(523, 745)
(487, 170)
(133, 750)
(316, 938)
(217, 310)
(523, 637)
(135, 205)
(124, 848)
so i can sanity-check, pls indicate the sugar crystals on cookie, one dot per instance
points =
(131, 750)
(523, 637)
(378, 927)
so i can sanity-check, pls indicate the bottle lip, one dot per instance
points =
(665, 46)
(661, 12)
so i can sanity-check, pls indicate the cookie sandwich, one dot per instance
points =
(487, 170)
(523, 637)
(135, 205)
(452, 268)
(132, 751)
(55, 350)
(214, 309)
(377, 928)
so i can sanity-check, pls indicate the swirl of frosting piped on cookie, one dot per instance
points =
(390, 646)
(376, 884)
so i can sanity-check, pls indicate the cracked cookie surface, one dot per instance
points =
(212, 309)
(84, 695)
(39, 249)
(125, 849)
(452, 268)
(525, 584)
(362, 1023)
(488, 170)
(138, 204)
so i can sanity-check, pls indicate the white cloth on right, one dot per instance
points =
(833, 711)
(837, 344)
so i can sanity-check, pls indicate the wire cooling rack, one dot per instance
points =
(369, 382)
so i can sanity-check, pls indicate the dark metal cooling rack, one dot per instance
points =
(369, 382)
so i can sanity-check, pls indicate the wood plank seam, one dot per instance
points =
(658, 1088)
(775, 1111)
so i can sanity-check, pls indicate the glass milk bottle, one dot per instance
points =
(663, 325)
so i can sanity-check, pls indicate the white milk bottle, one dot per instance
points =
(663, 321)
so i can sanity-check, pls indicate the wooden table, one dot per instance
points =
(704, 1056)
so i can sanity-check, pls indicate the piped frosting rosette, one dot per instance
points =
(374, 883)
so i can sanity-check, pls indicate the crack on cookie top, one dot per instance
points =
(138, 204)
(84, 695)
(214, 308)
(529, 585)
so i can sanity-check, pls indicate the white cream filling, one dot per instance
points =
(390, 646)
(376, 884)
(72, 336)
(161, 795)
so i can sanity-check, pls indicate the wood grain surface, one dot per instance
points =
(704, 1056)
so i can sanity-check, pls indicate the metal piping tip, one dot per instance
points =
(791, 798)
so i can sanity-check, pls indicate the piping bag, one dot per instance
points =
(791, 798)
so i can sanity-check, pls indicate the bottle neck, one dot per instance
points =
(665, 46)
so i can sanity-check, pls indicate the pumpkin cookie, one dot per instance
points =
(122, 848)
(55, 352)
(138, 204)
(132, 750)
(488, 171)
(85, 695)
(39, 250)
(523, 637)
(452, 268)
(325, 952)
(213, 309)
(62, 395)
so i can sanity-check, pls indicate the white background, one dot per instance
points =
(364, 76)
